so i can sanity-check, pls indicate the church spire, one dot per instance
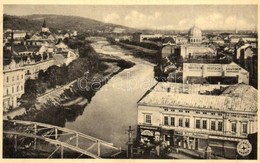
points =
(44, 23)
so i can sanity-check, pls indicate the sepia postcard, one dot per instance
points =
(129, 81)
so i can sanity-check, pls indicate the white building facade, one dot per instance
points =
(184, 118)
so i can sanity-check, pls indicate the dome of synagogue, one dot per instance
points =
(194, 32)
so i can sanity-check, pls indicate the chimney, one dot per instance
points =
(12, 43)
(169, 89)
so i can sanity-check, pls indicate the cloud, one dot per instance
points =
(219, 21)
(216, 20)
(140, 20)
(112, 18)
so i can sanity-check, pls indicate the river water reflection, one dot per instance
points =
(114, 106)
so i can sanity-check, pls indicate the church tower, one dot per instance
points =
(44, 28)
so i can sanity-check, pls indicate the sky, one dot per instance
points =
(169, 17)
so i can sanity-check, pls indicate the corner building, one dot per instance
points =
(192, 117)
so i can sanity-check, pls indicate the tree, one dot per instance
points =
(28, 99)
(55, 75)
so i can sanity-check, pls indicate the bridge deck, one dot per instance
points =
(73, 140)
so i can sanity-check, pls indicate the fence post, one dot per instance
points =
(15, 143)
(98, 143)
(61, 151)
(35, 133)
(77, 139)
(56, 133)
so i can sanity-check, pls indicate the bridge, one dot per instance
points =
(30, 134)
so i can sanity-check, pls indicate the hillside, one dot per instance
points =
(55, 22)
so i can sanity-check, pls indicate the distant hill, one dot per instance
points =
(57, 22)
(15, 22)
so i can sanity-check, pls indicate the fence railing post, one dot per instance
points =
(98, 143)
(35, 133)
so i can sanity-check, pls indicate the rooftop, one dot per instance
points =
(235, 98)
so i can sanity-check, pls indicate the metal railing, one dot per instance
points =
(65, 138)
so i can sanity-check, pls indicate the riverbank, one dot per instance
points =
(67, 102)
(150, 55)
(111, 109)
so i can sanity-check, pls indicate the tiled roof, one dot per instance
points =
(23, 48)
(244, 100)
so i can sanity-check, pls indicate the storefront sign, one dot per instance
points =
(147, 133)
(224, 138)
(244, 148)
(149, 128)
(204, 136)
(194, 67)
(233, 69)
(214, 68)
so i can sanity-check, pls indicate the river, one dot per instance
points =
(114, 106)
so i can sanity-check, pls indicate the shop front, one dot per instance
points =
(188, 140)
(148, 135)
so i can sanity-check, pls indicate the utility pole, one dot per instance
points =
(130, 143)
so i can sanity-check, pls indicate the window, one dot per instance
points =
(172, 110)
(166, 120)
(187, 111)
(204, 124)
(165, 109)
(244, 128)
(180, 110)
(213, 125)
(220, 124)
(17, 88)
(187, 122)
(180, 122)
(21, 87)
(7, 92)
(204, 112)
(197, 123)
(197, 112)
(21, 76)
(219, 114)
(7, 79)
(13, 78)
(148, 118)
(17, 77)
(172, 121)
(234, 127)
(212, 113)
(12, 89)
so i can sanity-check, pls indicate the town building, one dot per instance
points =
(139, 37)
(192, 72)
(196, 117)
(25, 61)
(13, 85)
(194, 48)
(168, 41)
(181, 40)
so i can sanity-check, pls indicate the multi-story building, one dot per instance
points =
(30, 60)
(32, 68)
(13, 85)
(139, 37)
(193, 71)
(198, 116)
